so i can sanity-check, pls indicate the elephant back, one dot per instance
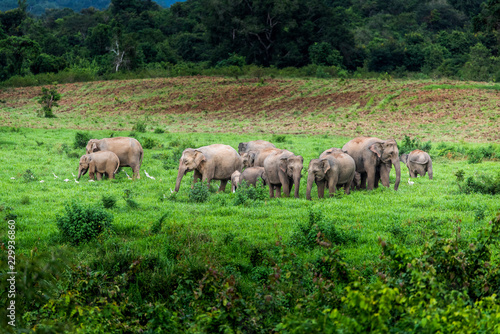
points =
(419, 157)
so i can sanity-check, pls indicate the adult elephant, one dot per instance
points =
(283, 169)
(128, 150)
(255, 145)
(333, 168)
(373, 158)
(212, 162)
(418, 163)
(255, 158)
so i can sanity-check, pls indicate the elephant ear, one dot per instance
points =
(325, 165)
(199, 158)
(251, 158)
(283, 164)
(377, 149)
(94, 147)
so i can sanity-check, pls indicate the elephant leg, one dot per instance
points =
(332, 184)
(99, 176)
(271, 190)
(135, 171)
(363, 180)
(384, 174)
(278, 191)
(196, 176)
(321, 188)
(284, 183)
(370, 178)
(222, 187)
(347, 186)
(429, 170)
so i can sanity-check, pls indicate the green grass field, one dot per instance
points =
(217, 233)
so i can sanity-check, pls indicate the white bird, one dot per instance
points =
(76, 181)
(410, 182)
(42, 181)
(73, 174)
(66, 180)
(12, 178)
(147, 175)
(55, 176)
(91, 180)
(152, 178)
(171, 191)
(127, 175)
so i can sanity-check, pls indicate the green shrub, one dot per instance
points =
(81, 139)
(48, 99)
(482, 183)
(82, 223)
(28, 176)
(408, 145)
(156, 227)
(127, 197)
(149, 143)
(199, 193)
(108, 202)
(278, 138)
(159, 131)
(140, 126)
(246, 192)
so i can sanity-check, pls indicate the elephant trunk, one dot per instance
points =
(310, 181)
(180, 174)
(397, 167)
(81, 172)
(296, 182)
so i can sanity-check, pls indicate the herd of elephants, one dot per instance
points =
(362, 163)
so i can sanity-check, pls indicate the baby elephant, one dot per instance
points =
(418, 163)
(335, 168)
(251, 175)
(99, 162)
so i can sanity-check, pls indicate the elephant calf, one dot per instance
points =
(418, 163)
(102, 162)
(333, 168)
(251, 175)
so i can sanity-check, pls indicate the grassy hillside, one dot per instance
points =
(245, 241)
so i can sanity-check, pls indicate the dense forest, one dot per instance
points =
(438, 38)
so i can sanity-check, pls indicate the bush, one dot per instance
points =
(108, 202)
(483, 183)
(28, 176)
(278, 138)
(199, 193)
(48, 99)
(246, 192)
(159, 131)
(81, 139)
(408, 145)
(140, 126)
(149, 143)
(82, 223)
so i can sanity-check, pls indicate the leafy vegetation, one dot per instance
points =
(426, 39)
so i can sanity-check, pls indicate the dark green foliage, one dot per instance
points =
(476, 155)
(246, 193)
(199, 193)
(318, 231)
(108, 202)
(407, 145)
(140, 126)
(482, 183)
(82, 223)
(48, 99)
(149, 143)
(156, 227)
(278, 138)
(28, 176)
(128, 198)
(159, 131)
(81, 139)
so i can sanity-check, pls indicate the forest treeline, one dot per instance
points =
(438, 38)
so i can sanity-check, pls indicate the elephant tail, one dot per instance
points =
(117, 167)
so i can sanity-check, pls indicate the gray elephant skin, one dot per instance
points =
(255, 145)
(334, 168)
(212, 162)
(235, 180)
(255, 158)
(418, 163)
(283, 169)
(373, 158)
(99, 163)
(251, 175)
(128, 150)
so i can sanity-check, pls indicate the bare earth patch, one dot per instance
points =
(212, 104)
